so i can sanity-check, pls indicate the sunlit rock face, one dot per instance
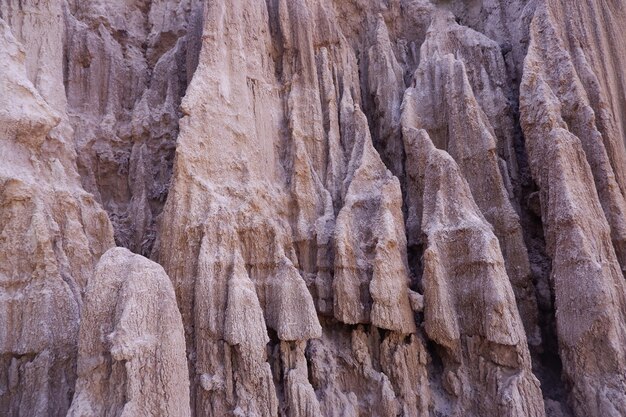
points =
(329, 208)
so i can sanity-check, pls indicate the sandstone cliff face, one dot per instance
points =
(127, 66)
(359, 208)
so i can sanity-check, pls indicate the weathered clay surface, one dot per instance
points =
(461, 73)
(127, 66)
(469, 306)
(581, 206)
(131, 347)
(359, 208)
(52, 232)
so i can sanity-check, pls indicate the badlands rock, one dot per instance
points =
(581, 204)
(364, 207)
(464, 271)
(127, 66)
(444, 102)
(131, 347)
(52, 232)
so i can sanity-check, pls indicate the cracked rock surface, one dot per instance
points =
(313, 208)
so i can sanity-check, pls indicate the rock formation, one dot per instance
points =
(52, 232)
(461, 73)
(383, 208)
(131, 349)
(469, 306)
(581, 206)
(127, 66)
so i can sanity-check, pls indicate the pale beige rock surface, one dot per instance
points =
(461, 73)
(582, 206)
(131, 349)
(359, 207)
(52, 232)
(469, 305)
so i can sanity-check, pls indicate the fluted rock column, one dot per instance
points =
(131, 357)
(580, 200)
(469, 307)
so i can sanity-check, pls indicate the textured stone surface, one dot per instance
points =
(581, 206)
(460, 74)
(127, 66)
(52, 232)
(131, 349)
(359, 208)
(469, 306)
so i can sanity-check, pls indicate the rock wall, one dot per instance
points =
(52, 232)
(359, 208)
(127, 65)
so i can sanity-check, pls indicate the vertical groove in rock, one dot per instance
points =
(443, 102)
(464, 272)
(327, 182)
(127, 67)
(602, 149)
